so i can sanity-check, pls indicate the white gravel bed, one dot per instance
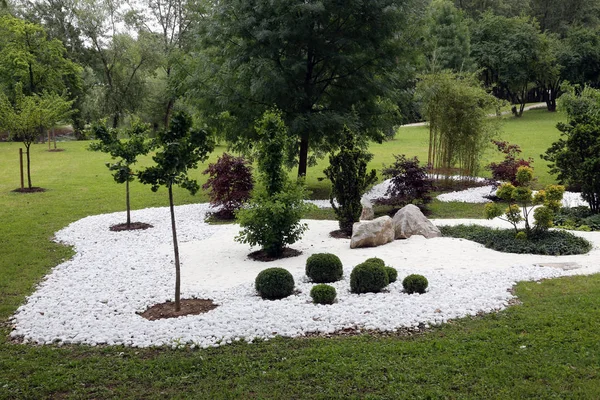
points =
(94, 298)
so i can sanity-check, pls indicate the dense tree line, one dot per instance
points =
(325, 65)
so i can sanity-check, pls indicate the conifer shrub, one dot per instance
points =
(415, 284)
(274, 283)
(367, 277)
(323, 294)
(324, 268)
(376, 260)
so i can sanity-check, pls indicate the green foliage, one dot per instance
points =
(550, 199)
(269, 149)
(460, 129)
(392, 274)
(368, 277)
(575, 157)
(375, 260)
(415, 283)
(273, 221)
(323, 294)
(553, 243)
(324, 268)
(274, 283)
(314, 61)
(349, 178)
(271, 218)
(577, 218)
(448, 38)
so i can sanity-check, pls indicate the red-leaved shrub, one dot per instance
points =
(230, 184)
(506, 171)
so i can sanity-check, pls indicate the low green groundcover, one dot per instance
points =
(555, 243)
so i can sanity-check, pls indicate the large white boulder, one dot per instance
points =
(372, 233)
(409, 220)
(367, 209)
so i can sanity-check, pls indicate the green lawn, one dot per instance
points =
(470, 358)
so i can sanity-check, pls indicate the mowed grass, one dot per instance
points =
(548, 347)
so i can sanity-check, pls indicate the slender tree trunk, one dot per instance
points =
(168, 113)
(176, 250)
(127, 203)
(303, 159)
(27, 146)
(115, 123)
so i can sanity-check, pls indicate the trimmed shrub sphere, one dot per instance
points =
(392, 274)
(323, 294)
(376, 260)
(274, 283)
(415, 284)
(324, 268)
(368, 277)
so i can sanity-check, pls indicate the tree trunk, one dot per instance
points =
(27, 146)
(115, 123)
(127, 203)
(303, 156)
(176, 250)
(168, 113)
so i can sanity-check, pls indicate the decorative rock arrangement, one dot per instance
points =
(372, 233)
(409, 221)
(367, 209)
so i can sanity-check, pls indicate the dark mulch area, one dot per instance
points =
(340, 234)
(34, 189)
(55, 150)
(131, 227)
(260, 255)
(188, 307)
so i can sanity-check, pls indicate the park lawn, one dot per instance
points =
(480, 357)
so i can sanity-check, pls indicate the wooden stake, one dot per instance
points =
(21, 162)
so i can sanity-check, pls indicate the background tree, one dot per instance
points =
(349, 178)
(508, 50)
(558, 15)
(180, 148)
(126, 152)
(448, 38)
(575, 157)
(457, 109)
(506, 8)
(581, 58)
(25, 116)
(324, 65)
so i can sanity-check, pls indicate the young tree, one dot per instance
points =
(271, 218)
(180, 148)
(27, 115)
(126, 152)
(575, 157)
(324, 64)
(457, 109)
(349, 178)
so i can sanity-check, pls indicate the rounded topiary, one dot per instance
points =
(324, 267)
(274, 283)
(376, 260)
(368, 277)
(392, 274)
(323, 294)
(415, 284)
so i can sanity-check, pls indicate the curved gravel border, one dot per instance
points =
(94, 298)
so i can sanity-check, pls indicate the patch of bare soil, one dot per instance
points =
(55, 150)
(188, 307)
(131, 227)
(34, 189)
(340, 234)
(260, 255)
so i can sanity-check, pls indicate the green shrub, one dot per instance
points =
(274, 283)
(323, 294)
(368, 277)
(554, 243)
(273, 221)
(324, 268)
(415, 284)
(376, 260)
(392, 274)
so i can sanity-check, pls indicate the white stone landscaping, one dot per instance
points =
(94, 298)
